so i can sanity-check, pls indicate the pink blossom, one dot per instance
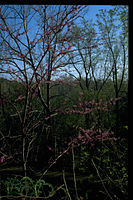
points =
(80, 136)
(50, 149)
(88, 110)
(2, 159)
(86, 132)
(47, 118)
(118, 98)
(87, 136)
(20, 97)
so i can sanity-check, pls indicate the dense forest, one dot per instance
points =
(63, 103)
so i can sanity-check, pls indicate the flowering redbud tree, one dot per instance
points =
(35, 43)
(96, 111)
(97, 132)
(34, 40)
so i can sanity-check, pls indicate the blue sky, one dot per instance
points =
(93, 10)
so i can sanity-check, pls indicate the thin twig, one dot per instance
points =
(66, 185)
(101, 180)
(74, 175)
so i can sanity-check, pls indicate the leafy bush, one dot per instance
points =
(26, 187)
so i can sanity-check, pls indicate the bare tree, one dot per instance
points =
(109, 22)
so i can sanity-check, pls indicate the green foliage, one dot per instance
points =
(126, 127)
(26, 186)
(111, 163)
(39, 186)
(11, 186)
